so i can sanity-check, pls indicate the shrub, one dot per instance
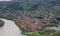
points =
(56, 34)
(1, 23)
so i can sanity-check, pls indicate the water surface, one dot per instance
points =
(9, 29)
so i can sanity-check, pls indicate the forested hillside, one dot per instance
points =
(13, 9)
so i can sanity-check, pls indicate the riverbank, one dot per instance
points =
(34, 33)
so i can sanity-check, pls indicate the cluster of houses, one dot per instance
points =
(28, 25)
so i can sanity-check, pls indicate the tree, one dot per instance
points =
(1, 23)
(25, 9)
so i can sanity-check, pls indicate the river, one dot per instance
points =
(10, 29)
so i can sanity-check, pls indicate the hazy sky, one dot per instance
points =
(5, 0)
